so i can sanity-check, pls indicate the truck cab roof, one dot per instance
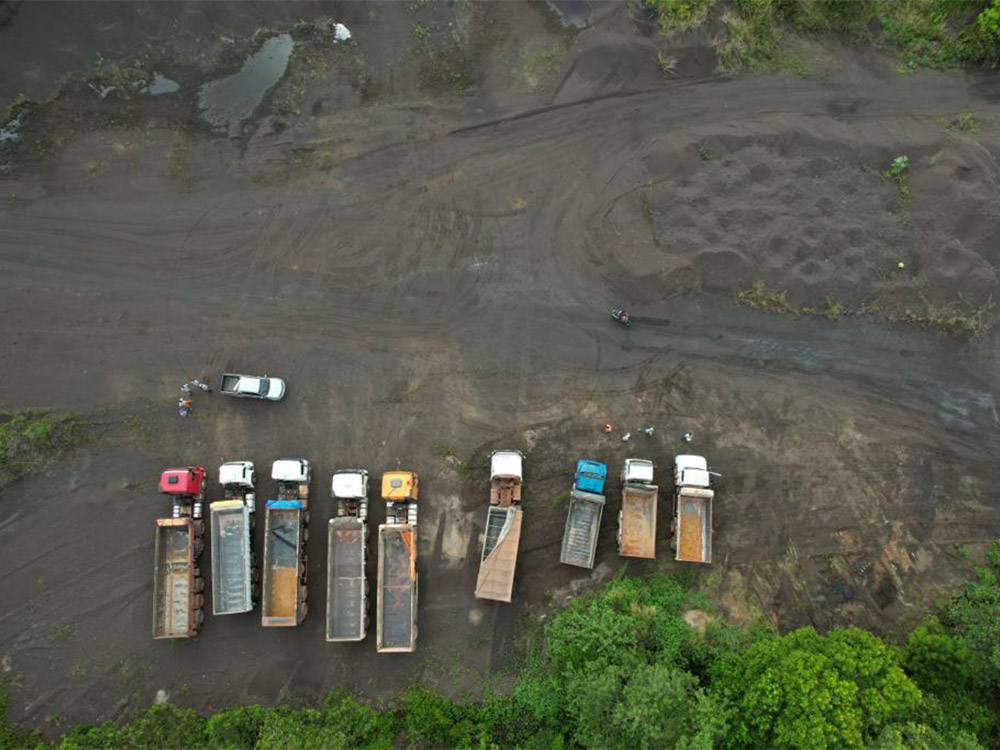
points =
(691, 471)
(593, 468)
(507, 464)
(350, 484)
(638, 470)
(238, 473)
(290, 470)
(398, 486)
(186, 481)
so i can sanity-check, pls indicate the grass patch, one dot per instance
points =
(675, 16)
(755, 39)
(562, 497)
(29, 438)
(964, 123)
(956, 317)
(759, 297)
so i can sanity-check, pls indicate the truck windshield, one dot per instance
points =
(265, 386)
(592, 475)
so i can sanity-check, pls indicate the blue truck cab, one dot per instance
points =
(590, 476)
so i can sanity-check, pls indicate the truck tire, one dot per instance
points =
(254, 574)
(303, 593)
(305, 534)
(199, 602)
(304, 610)
(255, 592)
(199, 585)
(199, 528)
(199, 547)
(199, 619)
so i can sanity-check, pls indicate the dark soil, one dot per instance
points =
(423, 233)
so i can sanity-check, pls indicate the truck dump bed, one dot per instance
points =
(397, 588)
(346, 595)
(174, 602)
(231, 570)
(583, 522)
(637, 523)
(282, 554)
(694, 525)
(496, 568)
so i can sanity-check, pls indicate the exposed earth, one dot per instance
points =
(423, 230)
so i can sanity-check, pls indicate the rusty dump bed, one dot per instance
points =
(282, 537)
(638, 522)
(397, 588)
(694, 525)
(173, 579)
(496, 569)
(346, 597)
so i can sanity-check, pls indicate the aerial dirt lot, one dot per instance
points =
(423, 231)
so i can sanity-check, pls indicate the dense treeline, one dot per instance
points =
(622, 668)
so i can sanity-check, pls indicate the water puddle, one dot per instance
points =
(161, 85)
(227, 102)
(573, 13)
(11, 132)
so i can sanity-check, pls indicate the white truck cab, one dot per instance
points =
(291, 470)
(349, 484)
(637, 470)
(506, 464)
(691, 471)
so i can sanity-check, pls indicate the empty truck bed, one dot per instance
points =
(583, 522)
(638, 524)
(694, 525)
(345, 599)
(172, 580)
(397, 596)
(231, 584)
(496, 568)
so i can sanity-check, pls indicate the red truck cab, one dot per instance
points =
(187, 489)
(189, 481)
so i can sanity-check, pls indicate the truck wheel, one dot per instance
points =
(199, 601)
(199, 547)
(303, 593)
(673, 543)
(255, 592)
(303, 611)
(199, 619)
(254, 574)
(199, 585)
(199, 528)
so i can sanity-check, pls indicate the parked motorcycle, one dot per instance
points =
(621, 316)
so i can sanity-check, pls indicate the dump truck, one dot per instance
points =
(583, 520)
(235, 588)
(252, 386)
(286, 529)
(396, 619)
(637, 517)
(178, 603)
(692, 522)
(347, 536)
(503, 527)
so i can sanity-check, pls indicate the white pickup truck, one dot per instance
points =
(251, 386)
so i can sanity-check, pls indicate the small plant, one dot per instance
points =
(667, 63)
(648, 210)
(897, 172)
(758, 297)
(421, 32)
(704, 153)
(965, 123)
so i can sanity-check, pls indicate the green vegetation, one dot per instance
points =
(28, 438)
(622, 668)
(924, 33)
(680, 15)
(897, 173)
(956, 317)
(965, 123)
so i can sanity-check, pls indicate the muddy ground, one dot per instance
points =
(423, 232)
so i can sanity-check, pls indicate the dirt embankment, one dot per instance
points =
(423, 232)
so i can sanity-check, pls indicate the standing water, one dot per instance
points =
(229, 101)
(573, 13)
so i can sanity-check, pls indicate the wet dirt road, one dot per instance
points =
(440, 288)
